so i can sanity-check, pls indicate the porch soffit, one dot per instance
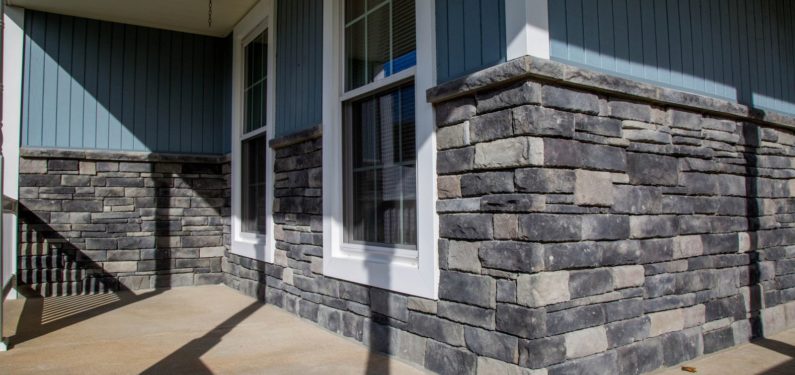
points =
(179, 15)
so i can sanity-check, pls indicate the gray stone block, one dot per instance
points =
(650, 169)
(512, 96)
(718, 339)
(630, 111)
(466, 226)
(653, 226)
(603, 126)
(389, 304)
(682, 346)
(443, 359)
(467, 314)
(512, 256)
(641, 357)
(627, 331)
(578, 101)
(436, 328)
(467, 288)
(550, 227)
(573, 319)
(541, 353)
(491, 126)
(509, 153)
(534, 120)
(590, 282)
(506, 291)
(455, 160)
(538, 180)
(476, 184)
(600, 364)
(623, 309)
(574, 255)
(492, 344)
(521, 321)
(605, 227)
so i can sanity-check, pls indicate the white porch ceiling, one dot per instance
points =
(178, 15)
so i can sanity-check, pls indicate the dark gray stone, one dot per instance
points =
(650, 169)
(659, 285)
(506, 290)
(681, 346)
(512, 256)
(623, 309)
(541, 353)
(630, 111)
(491, 126)
(718, 339)
(603, 126)
(605, 227)
(543, 180)
(590, 282)
(534, 120)
(389, 304)
(467, 314)
(466, 226)
(476, 184)
(574, 319)
(599, 364)
(436, 328)
(578, 101)
(521, 321)
(550, 227)
(455, 160)
(443, 359)
(628, 331)
(492, 344)
(572, 255)
(522, 93)
(641, 357)
(467, 288)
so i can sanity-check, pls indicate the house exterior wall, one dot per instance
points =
(99, 221)
(587, 229)
(299, 62)
(734, 50)
(91, 84)
(470, 35)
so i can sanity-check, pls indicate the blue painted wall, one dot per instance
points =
(470, 35)
(299, 65)
(98, 85)
(741, 50)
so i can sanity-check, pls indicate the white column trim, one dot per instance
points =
(527, 28)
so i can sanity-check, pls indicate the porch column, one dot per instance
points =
(526, 28)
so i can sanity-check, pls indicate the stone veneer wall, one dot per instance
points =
(607, 227)
(105, 221)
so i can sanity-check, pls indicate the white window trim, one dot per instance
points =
(259, 18)
(414, 273)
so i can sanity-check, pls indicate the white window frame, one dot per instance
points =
(406, 271)
(258, 19)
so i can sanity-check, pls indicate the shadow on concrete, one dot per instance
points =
(187, 359)
(788, 350)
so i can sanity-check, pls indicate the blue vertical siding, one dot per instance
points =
(738, 50)
(470, 35)
(99, 85)
(299, 48)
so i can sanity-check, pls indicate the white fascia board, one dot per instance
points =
(527, 28)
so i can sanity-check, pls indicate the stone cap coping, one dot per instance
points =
(297, 137)
(557, 72)
(36, 152)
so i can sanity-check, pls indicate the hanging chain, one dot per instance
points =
(210, 14)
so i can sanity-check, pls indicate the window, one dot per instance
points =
(378, 145)
(252, 118)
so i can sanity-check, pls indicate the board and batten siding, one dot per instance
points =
(91, 84)
(299, 65)
(740, 50)
(470, 36)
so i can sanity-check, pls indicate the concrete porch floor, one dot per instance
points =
(197, 330)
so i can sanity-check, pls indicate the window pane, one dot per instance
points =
(253, 189)
(380, 40)
(380, 176)
(255, 84)
(404, 41)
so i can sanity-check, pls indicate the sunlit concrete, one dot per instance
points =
(773, 356)
(197, 330)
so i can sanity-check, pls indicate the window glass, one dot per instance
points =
(256, 78)
(380, 40)
(254, 184)
(380, 170)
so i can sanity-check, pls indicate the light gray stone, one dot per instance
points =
(628, 276)
(511, 152)
(586, 342)
(593, 188)
(666, 321)
(543, 288)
